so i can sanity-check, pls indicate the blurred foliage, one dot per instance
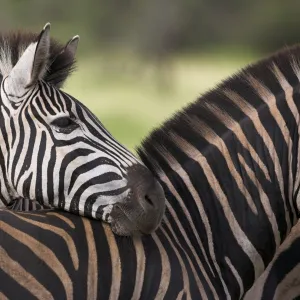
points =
(139, 61)
(159, 27)
(129, 104)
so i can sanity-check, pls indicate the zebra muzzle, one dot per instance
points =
(143, 209)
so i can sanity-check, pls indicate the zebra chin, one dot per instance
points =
(142, 210)
(123, 224)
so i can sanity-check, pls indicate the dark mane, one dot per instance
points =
(13, 44)
(216, 100)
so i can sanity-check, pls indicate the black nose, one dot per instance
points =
(147, 199)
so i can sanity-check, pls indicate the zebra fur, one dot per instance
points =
(23, 204)
(56, 255)
(228, 164)
(53, 150)
(281, 279)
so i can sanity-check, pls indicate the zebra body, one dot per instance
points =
(55, 151)
(229, 167)
(281, 279)
(56, 255)
(23, 204)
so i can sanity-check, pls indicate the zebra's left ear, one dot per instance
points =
(63, 64)
(30, 67)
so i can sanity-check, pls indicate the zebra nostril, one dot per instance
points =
(148, 200)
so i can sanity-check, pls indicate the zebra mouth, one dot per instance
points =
(121, 223)
(124, 220)
(103, 213)
(142, 208)
(127, 221)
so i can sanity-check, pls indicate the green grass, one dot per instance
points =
(131, 98)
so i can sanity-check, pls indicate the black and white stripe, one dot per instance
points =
(228, 164)
(55, 151)
(23, 204)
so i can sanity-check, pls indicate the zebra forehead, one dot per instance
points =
(13, 45)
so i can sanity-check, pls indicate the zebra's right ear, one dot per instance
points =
(31, 67)
(63, 64)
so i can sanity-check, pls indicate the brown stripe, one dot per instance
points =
(197, 279)
(236, 129)
(236, 275)
(116, 263)
(186, 283)
(252, 114)
(166, 269)
(212, 138)
(22, 277)
(289, 287)
(265, 201)
(63, 218)
(176, 167)
(257, 289)
(237, 231)
(140, 267)
(45, 254)
(268, 97)
(62, 233)
(29, 214)
(184, 176)
(92, 276)
(180, 295)
(288, 90)
(3, 297)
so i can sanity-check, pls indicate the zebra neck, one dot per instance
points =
(230, 195)
(229, 232)
(7, 135)
(6, 193)
(229, 165)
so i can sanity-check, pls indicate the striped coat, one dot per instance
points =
(281, 279)
(228, 164)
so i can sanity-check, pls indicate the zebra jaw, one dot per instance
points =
(103, 213)
(142, 209)
(144, 206)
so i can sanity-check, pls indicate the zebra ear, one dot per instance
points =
(72, 45)
(30, 67)
(63, 64)
(41, 55)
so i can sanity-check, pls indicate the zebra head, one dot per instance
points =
(55, 151)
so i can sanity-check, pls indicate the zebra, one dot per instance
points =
(229, 167)
(55, 152)
(281, 279)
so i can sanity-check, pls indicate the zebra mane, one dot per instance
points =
(271, 76)
(13, 45)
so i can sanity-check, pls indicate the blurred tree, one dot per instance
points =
(158, 28)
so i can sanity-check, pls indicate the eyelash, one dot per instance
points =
(64, 124)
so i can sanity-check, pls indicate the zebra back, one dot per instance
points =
(56, 255)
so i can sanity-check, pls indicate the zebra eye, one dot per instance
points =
(64, 124)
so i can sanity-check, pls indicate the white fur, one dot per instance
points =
(5, 62)
(15, 84)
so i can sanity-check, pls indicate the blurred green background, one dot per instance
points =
(140, 61)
